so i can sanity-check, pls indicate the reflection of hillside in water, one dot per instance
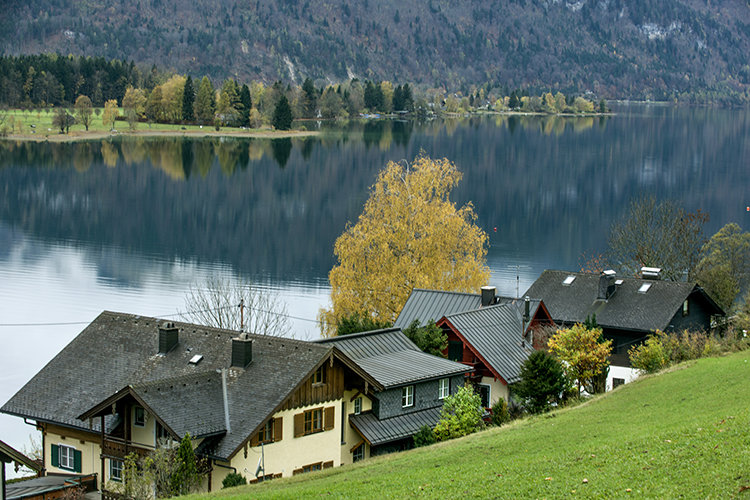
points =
(551, 185)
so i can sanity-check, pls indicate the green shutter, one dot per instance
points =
(55, 456)
(77, 461)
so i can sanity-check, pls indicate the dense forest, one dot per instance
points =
(662, 49)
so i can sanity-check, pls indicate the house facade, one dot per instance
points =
(252, 404)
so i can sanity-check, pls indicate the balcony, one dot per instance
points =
(113, 447)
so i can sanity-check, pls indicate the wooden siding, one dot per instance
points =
(310, 394)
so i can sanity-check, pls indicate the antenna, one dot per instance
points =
(518, 282)
(242, 314)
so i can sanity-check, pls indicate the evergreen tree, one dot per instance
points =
(282, 114)
(398, 99)
(408, 98)
(247, 105)
(309, 98)
(205, 102)
(188, 98)
(542, 381)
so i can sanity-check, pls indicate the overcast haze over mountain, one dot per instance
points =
(637, 49)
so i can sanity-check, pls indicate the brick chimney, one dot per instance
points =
(168, 337)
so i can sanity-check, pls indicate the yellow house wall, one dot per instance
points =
(497, 389)
(283, 457)
(143, 435)
(87, 443)
(352, 437)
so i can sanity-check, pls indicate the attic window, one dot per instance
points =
(569, 280)
(196, 359)
(644, 287)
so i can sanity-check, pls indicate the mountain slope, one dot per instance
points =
(643, 48)
(681, 434)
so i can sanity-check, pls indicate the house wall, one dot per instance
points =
(143, 435)
(290, 453)
(497, 389)
(352, 437)
(425, 396)
(621, 372)
(698, 318)
(88, 443)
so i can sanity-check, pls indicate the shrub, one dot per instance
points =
(542, 381)
(233, 479)
(649, 357)
(500, 413)
(461, 415)
(424, 437)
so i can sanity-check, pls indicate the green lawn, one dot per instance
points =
(685, 433)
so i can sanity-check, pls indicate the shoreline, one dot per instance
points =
(79, 136)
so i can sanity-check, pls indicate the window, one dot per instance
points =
(407, 396)
(358, 406)
(115, 469)
(685, 309)
(455, 350)
(139, 416)
(313, 467)
(358, 453)
(484, 393)
(313, 421)
(617, 382)
(265, 435)
(67, 457)
(444, 388)
(317, 377)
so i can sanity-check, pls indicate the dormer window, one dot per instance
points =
(569, 280)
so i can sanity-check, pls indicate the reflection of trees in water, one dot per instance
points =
(549, 195)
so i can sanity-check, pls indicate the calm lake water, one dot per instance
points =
(128, 224)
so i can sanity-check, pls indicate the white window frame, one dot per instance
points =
(112, 469)
(358, 453)
(407, 396)
(66, 457)
(489, 393)
(358, 405)
(444, 388)
(135, 416)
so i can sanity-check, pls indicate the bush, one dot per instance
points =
(424, 437)
(542, 381)
(500, 413)
(233, 479)
(649, 357)
(461, 415)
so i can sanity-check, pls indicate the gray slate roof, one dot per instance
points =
(426, 305)
(378, 432)
(119, 350)
(626, 309)
(494, 332)
(392, 359)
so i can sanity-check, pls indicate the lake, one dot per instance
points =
(128, 224)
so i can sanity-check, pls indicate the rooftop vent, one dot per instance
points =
(488, 295)
(651, 273)
(644, 287)
(168, 337)
(569, 280)
(242, 351)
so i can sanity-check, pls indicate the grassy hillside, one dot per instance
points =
(685, 433)
(636, 49)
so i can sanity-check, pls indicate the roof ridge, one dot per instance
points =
(336, 338)
(445, 291)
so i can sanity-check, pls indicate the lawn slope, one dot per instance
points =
(685, 433)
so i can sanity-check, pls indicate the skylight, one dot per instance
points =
(644, 287)
(619, 282)
(569, 280)
(196, 359)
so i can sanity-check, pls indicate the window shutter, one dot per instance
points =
(328, 421)
(55, 456)
(299, 425)
(77, 461)
(278, 429)
(254, 440)
(328, 465)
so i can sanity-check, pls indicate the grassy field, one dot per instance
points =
(681, 434)
(37, 125)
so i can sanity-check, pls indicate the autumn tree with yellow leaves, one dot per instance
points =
(409, 235)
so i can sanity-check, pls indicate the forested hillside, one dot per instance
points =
(638, 49)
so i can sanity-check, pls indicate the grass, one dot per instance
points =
(683, 433)
(37, 125)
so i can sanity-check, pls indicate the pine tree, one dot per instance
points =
(205, 102)
(282, 114)
(310, 99)
(247, 105)
(188, 98)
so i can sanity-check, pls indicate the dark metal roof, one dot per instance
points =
(426, 305)
(118, 350)
(9, 454)
(392, 359)
(495, 333)
(378, 432)
(39, 486)
(626, 309)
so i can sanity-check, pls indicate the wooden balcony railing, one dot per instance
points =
(119, 448)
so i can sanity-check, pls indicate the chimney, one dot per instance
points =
(651, 273)
(606, 284)
(526, 311)
(168, 337)
(242, 351)
(488, 295)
